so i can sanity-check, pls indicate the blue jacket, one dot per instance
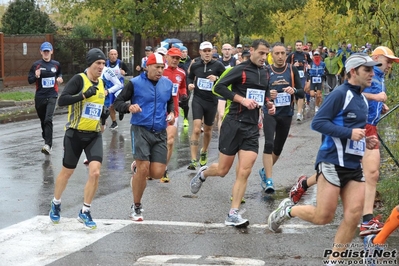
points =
(377, 86)
(153, 101)
(317, 71)
(343, 110)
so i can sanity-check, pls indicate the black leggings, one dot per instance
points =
(275, 129)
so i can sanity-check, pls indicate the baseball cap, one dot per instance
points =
(316, 53)
(162, 51)
(215, 55)
(385, 51)
(174, 52)
(46, 46)
(359, 59)
(148, 48)
(155, 58)
(239, 45)
(245, 53)
(305, 47)
(183, 48)
(206, 45)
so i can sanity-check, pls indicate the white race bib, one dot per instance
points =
(257, 95)
(175, 89)
(48, 82)
(204, 84)
(282, 99)
(356, 147)
(92, 111)
(301, 74)
(316, 79)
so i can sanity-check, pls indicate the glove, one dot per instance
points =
(90, 92)
(104, 115)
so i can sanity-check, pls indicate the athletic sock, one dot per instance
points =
(305, 184)
(233, 211)
(390, 225)
(86, 207)
(367, 218)
(57, 201)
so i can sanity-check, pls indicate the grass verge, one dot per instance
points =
(17, 96)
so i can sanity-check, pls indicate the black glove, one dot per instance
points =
(104, 115)
(90, 92)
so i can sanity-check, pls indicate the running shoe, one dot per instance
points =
(269, 186)
(196, 182)
(278, 216)
(55, 212)
(113, 126)
(192, 165)
(203, 158)
(370, 250)
(185, 122)
(136, 214)
(165, 178)
(372, 227)
(121, 116)
(46, 149)
(297, 190)
(236, 220)
(86, 219)
(262, 178)
(299, 117)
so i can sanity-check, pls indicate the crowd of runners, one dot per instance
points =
(243, 89)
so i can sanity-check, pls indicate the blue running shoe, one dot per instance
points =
(269, 186)
(86, 219)
(370, 249)
(55, 212)
(262, 178)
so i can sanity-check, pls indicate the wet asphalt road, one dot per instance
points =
(189, 229)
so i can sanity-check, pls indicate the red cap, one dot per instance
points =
(155, 58)
(305, 47)
(174, 52)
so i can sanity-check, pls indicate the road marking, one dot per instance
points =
(42, 242)
(173, 260)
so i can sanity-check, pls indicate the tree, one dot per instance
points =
(138, 18)
(25, 17)
(236, 18)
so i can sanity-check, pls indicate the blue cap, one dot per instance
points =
(46, 46)
(183, 48)
(215, 55)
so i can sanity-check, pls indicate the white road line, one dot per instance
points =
(42, 242)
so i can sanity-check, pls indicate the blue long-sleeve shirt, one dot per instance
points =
(343, 110)
(377, 86)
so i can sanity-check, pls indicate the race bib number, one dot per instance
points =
(204, 84)
(282, 99)
(301, 73)
(175, 89)
(48, 82)
(356, 147)
(257, 95)
(316, 79)
(92, 111)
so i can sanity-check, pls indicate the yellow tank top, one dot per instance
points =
(85, 115)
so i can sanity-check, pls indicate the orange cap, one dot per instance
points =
(385, 51)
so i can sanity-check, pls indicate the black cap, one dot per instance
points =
(93, 55)
(148, 48)
(245, 53)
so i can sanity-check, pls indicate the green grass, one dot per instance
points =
(16, 96)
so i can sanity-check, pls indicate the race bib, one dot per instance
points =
(257, 95)
(48, 82)
(92, 111)
(282, 99)
(175, 89)
(356, 147)
(316, 79)
(301, 73)
(204, 84)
